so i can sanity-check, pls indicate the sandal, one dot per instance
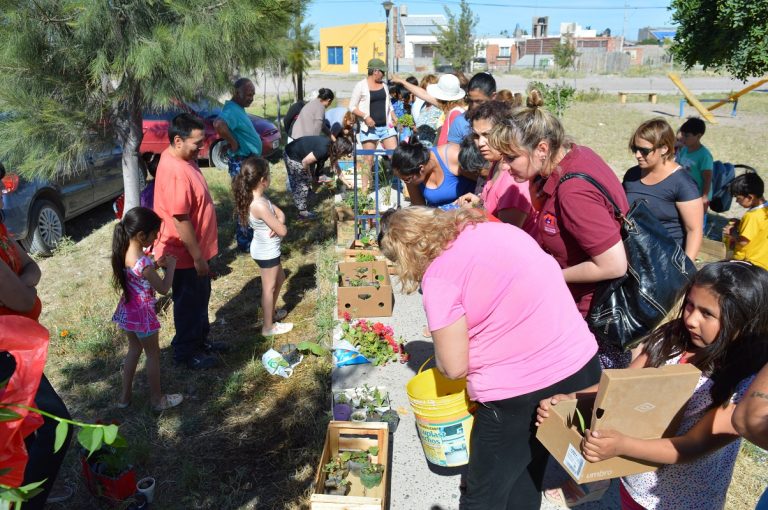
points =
(123, 405)
(307, 215)
(278, 328)
(280, 314)
(168, 401)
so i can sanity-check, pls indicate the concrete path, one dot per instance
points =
(415, 484)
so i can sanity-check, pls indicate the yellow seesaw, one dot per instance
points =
(707, 112)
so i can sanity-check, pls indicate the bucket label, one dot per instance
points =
(445, 442)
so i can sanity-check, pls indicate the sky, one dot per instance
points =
(497, 15)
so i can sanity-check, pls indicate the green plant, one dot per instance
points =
(557, 97)
(406, 120)
(371, 474)
(375, 340)
(364, 257)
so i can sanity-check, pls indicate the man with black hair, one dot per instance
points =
(695, 157)
(189, 232)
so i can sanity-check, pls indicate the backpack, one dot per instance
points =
(723, 175)
(291, 115)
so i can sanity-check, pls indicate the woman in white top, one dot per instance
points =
(370, 102)
(268, 224)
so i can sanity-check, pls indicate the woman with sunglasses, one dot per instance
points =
(501, 316)
(575, 222)
(671, 195)
(432, 175)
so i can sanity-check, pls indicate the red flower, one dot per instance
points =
(346, 316)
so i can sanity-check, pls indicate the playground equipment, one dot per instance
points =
(706, 113)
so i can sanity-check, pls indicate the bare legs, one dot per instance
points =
(151, 347)
(272, 279)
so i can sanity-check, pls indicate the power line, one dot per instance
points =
(519, 6)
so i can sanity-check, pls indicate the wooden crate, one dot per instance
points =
(347, 436)
(711, 251)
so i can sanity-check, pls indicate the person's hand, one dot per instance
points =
(369, 122)
(396, 78)
(542, 413)
(272, 233)
(468, 200)
(201, 266)
(602, 444)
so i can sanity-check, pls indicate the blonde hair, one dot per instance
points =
(415, 236)
(525, 128)
(429, 79)
(657, 132)
(447, 106)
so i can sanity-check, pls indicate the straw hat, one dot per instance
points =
(447, 88)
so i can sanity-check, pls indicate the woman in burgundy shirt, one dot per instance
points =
(576, 224)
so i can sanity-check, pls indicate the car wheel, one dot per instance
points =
(46, 227)
(218, 155)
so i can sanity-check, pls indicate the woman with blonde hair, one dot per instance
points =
(575, 222)
(671, 195)
(501, 316)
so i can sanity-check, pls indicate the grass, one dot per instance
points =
(245, 439)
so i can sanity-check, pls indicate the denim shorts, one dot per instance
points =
(376, 134)
(142, 336)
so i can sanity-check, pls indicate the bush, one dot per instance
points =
(556, 97)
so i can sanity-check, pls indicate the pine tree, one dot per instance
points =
(77, 70)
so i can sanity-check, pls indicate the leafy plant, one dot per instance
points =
(364, 257)
(406, 120)
(374, 340)
(557, 97)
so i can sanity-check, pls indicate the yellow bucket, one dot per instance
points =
(443, 416)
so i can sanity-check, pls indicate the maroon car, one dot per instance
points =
(156, 133)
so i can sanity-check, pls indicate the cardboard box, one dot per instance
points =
(373, 300)
(643, 403)
(347, 436)
(572, 494)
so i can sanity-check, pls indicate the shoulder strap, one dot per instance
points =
(616, 210)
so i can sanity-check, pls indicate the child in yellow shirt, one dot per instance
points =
(751, 243)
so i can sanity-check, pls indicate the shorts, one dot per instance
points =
(266, 264)
(377, 134)
(142, 336)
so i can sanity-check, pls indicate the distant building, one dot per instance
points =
(500, 52)
(348, 48)
(575, 30)
(540, 26)
(419, 41)
(659, 34)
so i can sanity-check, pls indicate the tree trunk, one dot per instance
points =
(129, 134)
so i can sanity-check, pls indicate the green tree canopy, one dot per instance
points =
(730, 34)
(73, 70)
(565, 54)
(456, 42)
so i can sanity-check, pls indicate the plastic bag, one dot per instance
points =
(282, 364)
(27, 342)
(344, 354)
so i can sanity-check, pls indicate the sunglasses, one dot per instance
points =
(644, 151)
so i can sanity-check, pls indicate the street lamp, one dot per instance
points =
(387, 7)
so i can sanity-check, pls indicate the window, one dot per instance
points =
(335, 55)
(504, 52)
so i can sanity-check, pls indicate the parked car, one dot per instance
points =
(214, 149)
(36, 210)
(479, 64)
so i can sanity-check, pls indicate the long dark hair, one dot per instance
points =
(137, 220)
(740, 347)
(409, 157)
(252, 171)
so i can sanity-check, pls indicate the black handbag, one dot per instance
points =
(625, 309)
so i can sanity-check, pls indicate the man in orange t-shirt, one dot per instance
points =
(189, 233)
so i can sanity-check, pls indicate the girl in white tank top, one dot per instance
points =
(268, 224)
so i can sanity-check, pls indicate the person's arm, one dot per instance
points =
(469, 200)
(279, 214)
(354, 105)
(452, 349)
(713, 431)
(415, 195)
(610, 264)
(706, 184)
(261, 211)
(161, 284)
(415, 90)
(14, 293)
(750, 419)
(223, 130)
(692, 214)
(187, 235)
(30, 271)
(308, 160)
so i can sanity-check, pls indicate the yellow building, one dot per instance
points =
(347, 48)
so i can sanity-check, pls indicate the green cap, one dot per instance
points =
(377, 63)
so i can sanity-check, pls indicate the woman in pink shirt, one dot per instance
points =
(501, 315)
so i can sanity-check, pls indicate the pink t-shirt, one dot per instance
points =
(501, 192)
(525, 332)
(180, 188)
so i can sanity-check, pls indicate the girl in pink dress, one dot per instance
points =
(136, 275)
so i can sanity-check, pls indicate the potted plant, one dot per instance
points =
(392, 419)
(380, 401)
(357, 459)
(342, 410)
(371, 474)
(358, 416)
(336, 482)
(109, 471)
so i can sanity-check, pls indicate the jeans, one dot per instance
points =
(43, 464)
(243, 233)
(506, 462)
(191, 295)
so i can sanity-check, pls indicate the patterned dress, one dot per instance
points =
(701, 484)
(138, 314)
